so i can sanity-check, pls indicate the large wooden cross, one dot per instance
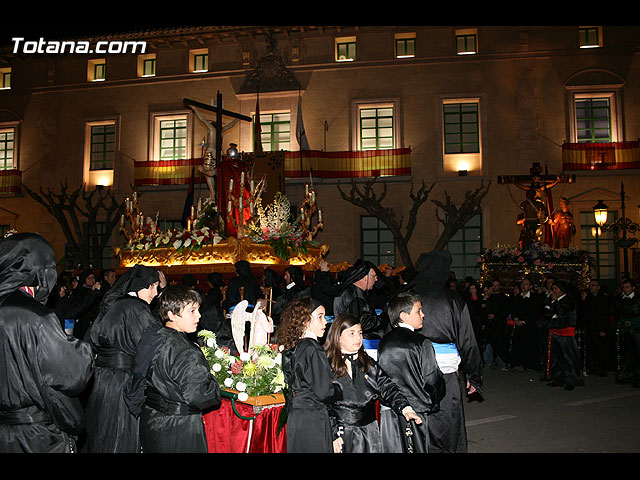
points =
(217, 124)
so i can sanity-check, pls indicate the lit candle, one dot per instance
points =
(122, 221)
(242, 179)
(306, 189)
(313, 196)
(188, 224)
(231, 185)
(199, 206)
(135, 197)
(229, 207)
(320, 215)
(192, 212)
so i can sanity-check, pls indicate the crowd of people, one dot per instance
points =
(374, 362)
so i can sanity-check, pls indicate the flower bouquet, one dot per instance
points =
(256, 373)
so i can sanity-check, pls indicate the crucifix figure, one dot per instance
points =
(538, 205)
(213, 146)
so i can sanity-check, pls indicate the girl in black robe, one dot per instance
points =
(114, 337)
(308, 376)
(363, 383)
(244, 280)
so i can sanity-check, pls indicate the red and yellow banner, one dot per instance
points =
(10, 181)
(601, 156)
(167, 172)
(367, 163)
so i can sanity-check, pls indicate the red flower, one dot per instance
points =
(236, 368)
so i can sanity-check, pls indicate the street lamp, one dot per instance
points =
(600, 214)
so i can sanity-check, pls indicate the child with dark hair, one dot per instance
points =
(363, 383)
(410, 360)
(172, 384)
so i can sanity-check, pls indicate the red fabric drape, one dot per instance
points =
(228, 169)
(226, 432)
(265, 438)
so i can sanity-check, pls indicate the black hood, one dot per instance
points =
(433, 271)
(27, 259)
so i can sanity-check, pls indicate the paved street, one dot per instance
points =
(520, 414)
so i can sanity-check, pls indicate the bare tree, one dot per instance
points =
(372, 203)
(457, 217)
(78, 213)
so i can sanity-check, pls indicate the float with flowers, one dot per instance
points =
(510, 264)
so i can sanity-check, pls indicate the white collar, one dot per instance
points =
(527, 295)
(291, 285)
(406, 325)
(631, 295)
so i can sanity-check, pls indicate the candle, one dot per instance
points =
(229, 207)
(242, 178)
(135, 197)
(252, 186)
(192, 211)
(320, 215)
(313, 196)
(306, 189)
(188, 224)
(199, 206)
(122, 221)
(231, 185)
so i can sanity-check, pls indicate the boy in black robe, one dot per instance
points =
(409, 359)
(172, 384)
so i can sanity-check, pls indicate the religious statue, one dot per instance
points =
(532, 219)
(563, 227)
(261, 325)
(208, 167)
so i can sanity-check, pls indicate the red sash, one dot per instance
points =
(564, 332)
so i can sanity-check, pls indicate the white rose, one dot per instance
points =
(211, 343)
(219, 354)
(278, 359)
(243, 396)
(245, 356)
(216, 367)
(228, 382)
(241, 386)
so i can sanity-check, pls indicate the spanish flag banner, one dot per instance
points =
(166, 172)
(10, 181)
(601, 156)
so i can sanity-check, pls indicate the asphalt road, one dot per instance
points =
(520, 414)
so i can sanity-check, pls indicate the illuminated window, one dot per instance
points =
(461, 136)
(173, 139)
(5, 78)
(275, 131)
(467, 41)
(346, 49)
(199, 60)
(590, 37)
(147, 65)
(7, 148)
(593, 120)
(96, 70)
(405, 45)
(376, 128)
(100, 147)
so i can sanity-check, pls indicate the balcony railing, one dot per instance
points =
(10, 181)
(367, 163)
(601, 156)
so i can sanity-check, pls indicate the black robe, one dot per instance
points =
(628, 318)
(447, 322)
(596, 315)
(523, 351)
(111, 428)
(409, 359)
(310, 390)
(354, 417)
(42, 369)
(353, 301)
(179, 387)
(495, 330)
(565, 368)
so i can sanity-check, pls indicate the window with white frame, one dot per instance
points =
(377, 242)
(465, 247)
(96, 70)
(147, 65)
(595, 117)
(466, 41)
(345, 49)
(102, 140)
(199, 60)
(405, 44)
(375, 124)
(7, 148)
(171, 136)
(461, 136)
(275, 131)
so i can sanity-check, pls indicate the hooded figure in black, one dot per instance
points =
(42, 369)
(447, 324)
(244, 279)
(294, 288)
(353, 300)
(124, 315)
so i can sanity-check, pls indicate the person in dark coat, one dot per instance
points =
(174, 379)
(596, 315)
(526, 310)
(245, 280)
(495, 330)
(448, 325)
(363, 383)
(308, 376)
(565, 369)
(627, 310)
(124, 314)
(294, 287)
(42, 369)
(358, 280)
(324, 287)
(476, 305)
(410, 360)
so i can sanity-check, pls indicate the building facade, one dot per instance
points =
(453, 107)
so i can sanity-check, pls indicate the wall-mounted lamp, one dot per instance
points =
(463, 173)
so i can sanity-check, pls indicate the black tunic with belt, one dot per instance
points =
(310, 390)
(354, 417)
